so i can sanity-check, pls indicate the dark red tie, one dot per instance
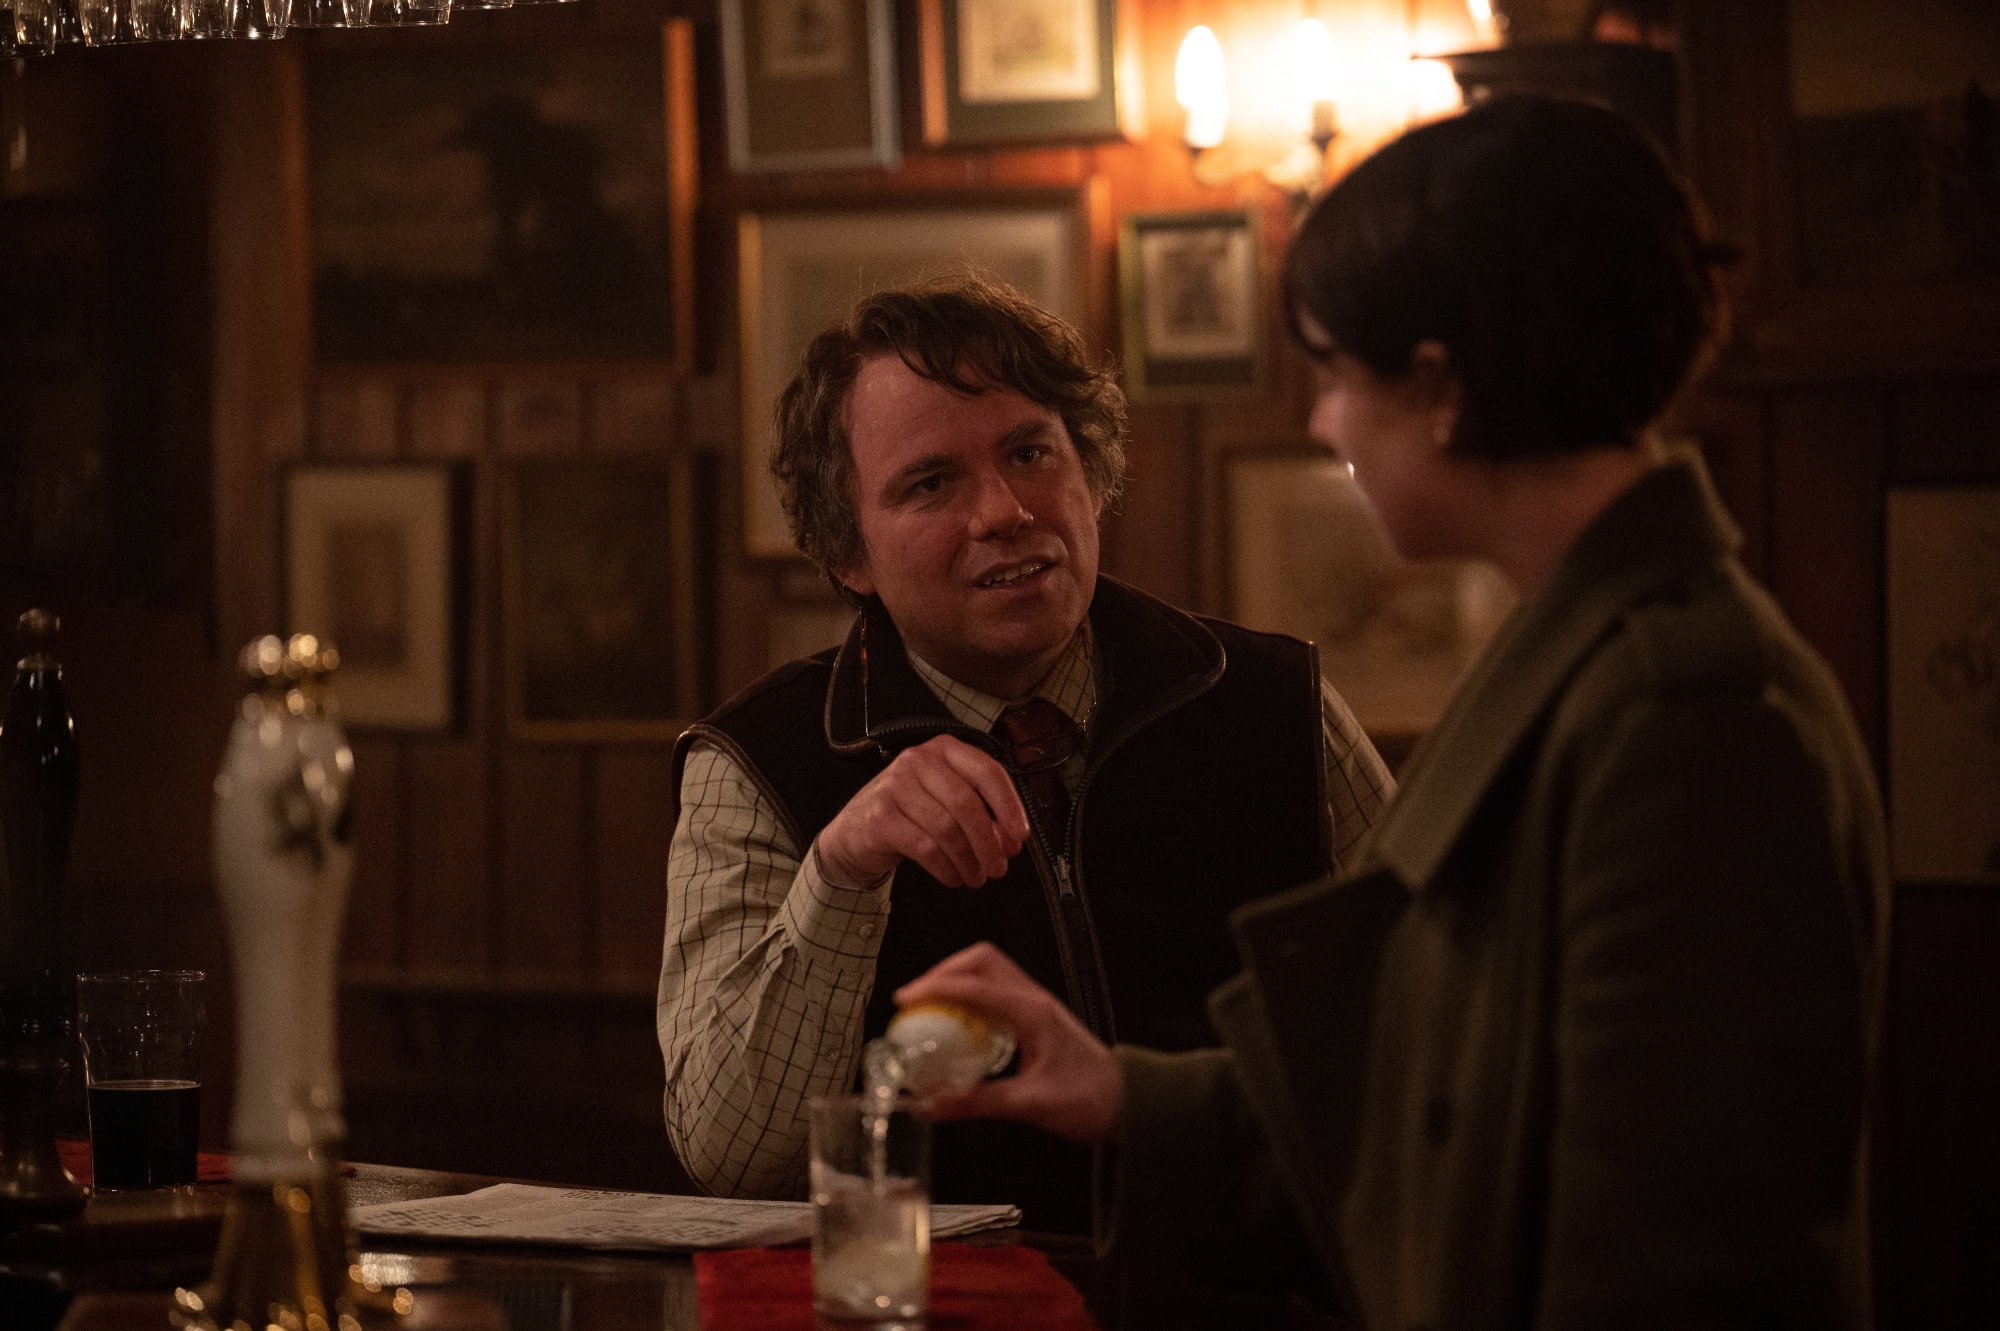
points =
(1040, 739)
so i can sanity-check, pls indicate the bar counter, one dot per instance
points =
(115, 1267)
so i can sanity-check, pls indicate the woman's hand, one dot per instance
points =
(1067, 1081)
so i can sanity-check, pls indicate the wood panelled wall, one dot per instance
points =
(503, 938)
(1806, 467)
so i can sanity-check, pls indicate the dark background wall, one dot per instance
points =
(502, 942)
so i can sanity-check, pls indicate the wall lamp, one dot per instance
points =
(1312, 91)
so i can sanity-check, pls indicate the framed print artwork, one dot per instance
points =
(1943, 593)
(1870, 214)
(999, 71)
(482, 203)
(371, 564)
(803, 269)
(1191, 290)
(596, 610)
(810, 83)
(1306, 555)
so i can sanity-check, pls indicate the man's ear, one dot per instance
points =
(856, 579)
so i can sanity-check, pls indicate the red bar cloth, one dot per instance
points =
(209, 1167)
(1006, 1288)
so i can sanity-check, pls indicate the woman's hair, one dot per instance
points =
(1546, 244)
(965, 332)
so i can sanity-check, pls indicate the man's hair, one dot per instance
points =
(971, 335)
(1546, 244)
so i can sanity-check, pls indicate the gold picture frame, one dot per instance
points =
(1861, 199)
(500, 203)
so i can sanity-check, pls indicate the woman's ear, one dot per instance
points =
(1433, 375)
(1434, 382)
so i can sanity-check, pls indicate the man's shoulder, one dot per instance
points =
(1261, 643)
(778, 689)
(777, 716)
(779, 707)
(1121, 607)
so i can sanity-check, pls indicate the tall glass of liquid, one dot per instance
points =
(871, 1165)
(142, 1075)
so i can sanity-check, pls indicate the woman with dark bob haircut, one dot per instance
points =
(1586, 1042)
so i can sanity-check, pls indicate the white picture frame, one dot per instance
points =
(369, 563)
(1307, 555)
(1942, 594)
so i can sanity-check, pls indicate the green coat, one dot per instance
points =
(1587, 1042)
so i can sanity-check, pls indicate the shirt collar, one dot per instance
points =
(1147, 658)
(1071, 684)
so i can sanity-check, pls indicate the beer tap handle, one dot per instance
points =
(39, 776)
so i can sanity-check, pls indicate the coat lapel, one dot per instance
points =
(1311, 956)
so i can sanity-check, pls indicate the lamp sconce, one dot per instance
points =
(1312, 97)
(1201, 86)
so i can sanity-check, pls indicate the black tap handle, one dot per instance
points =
(39, 777)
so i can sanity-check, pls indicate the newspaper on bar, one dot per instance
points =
(625, 1221)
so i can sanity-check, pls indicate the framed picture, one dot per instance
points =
(1848, 145)
(1191, 290)
(810, 83)
(1306, 555)
(1011, 71)
(479, 203)
(371, 563)
(597, 612)
(1943, 593)
(802, 269)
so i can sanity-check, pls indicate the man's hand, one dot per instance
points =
(1067, 1082)
(943, 803)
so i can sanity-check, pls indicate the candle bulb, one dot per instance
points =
(1312, 60)
(1201, 87)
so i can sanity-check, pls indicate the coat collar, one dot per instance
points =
(1151, 654)
(1665, 526)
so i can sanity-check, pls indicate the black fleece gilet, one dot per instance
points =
(1203, 789)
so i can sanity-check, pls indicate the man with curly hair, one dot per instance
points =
(1008, 746)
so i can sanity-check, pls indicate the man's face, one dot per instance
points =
(978, 529)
